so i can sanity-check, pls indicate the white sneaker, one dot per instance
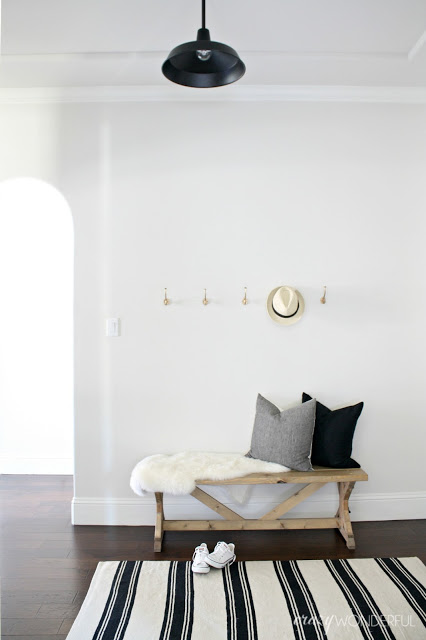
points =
(222, 555)
(199, 564)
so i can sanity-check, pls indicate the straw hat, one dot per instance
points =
(285, 305)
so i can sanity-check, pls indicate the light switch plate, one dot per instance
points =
(113, 327)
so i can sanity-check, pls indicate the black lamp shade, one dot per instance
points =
(222, 67)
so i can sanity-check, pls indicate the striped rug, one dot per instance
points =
(307, 600)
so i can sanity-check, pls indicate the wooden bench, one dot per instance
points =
(313, 480)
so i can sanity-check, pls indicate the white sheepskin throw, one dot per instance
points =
(176, 474)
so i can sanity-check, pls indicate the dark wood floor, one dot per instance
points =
(47, 564)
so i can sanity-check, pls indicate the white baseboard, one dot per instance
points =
(141, 511)
(36, 466)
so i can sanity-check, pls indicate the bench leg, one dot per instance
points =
(159, 523)
(345, 525)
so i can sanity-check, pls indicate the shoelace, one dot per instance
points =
(222, 545)
(199, 549)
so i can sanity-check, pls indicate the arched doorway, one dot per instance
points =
(36, 329)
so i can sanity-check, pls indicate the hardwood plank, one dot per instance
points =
(21, 626)
(89, 544)
(32, 637)
(49, 584)
(55, 563)
(14, 609)
(62, 611)
(38, 597)
(66, 625)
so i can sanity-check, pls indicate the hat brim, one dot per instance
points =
(280, 319)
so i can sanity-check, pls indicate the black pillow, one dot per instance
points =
(333, 434)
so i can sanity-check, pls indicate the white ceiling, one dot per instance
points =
(302, 42)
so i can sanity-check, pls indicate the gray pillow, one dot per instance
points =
(284, 437)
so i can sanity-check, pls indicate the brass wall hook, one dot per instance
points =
(244, 300)
(323, 300)
(205, 301)
(166, 300)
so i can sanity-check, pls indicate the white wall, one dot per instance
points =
(224, 196)
(36, 346)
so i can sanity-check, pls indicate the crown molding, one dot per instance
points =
(236, 93)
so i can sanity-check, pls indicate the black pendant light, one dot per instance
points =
(203, 63)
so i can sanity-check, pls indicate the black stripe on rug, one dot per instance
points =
(310, 602)
(110, 600)
(231, 616)
(118, 608)
(407, 584)
(179, 609)
(370, 619)
(306, 620)
(251, 614)
(240, 613)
